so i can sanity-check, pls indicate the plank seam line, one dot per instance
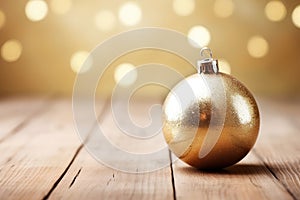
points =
(75, 177)
(172, 176)
(63, 174)
(76, 153)
(27, 119)
(274, 175)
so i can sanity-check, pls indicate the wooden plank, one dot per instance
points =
(140, 115)
(249, 179)
(88, 179)
(15, 111)
(37, 157)
(278, 145)
(45, 157)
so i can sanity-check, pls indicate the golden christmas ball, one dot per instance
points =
(210, 119)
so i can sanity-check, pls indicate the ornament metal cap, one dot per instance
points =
(207, 65)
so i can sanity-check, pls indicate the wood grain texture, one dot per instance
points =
(39, 154)
(278, 146)
(44, 146)
(249, 179)
(89, 179)
(44, 158)
(16, 112)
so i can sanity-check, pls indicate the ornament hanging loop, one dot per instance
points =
(207, 65)
(206, 49)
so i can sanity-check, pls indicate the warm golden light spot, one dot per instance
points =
(199, 36)
(183, 7)
(127, 69)
(105, 20)
(130, 14)
(81, 61)
(241, 105)
(2, 19)
(11, 50)
(224, 66)
(223, 8)
(296, 16)
(275, 11)
(60, 6)
(36, 10)
(257, 47)
(173, 108)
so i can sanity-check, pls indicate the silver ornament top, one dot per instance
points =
(207, 65)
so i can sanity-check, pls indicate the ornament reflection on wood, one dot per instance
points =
(210, 119)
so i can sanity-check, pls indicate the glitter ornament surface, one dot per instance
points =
(210, 119)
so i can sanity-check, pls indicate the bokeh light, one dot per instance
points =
(36, 10)
(127, 69)
(224, 66)
(257, 46)
(130, 14)
(223, 8)
(68, 26)
(11, 50)
(296, 16)
(199, 36)
(60, 6)
(183, 7)
(78, 59)
(2, 19)
(275, 11)
(105, 20)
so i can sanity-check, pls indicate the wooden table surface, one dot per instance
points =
(43, 158)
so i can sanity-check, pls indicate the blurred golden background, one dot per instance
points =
(44, 43)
